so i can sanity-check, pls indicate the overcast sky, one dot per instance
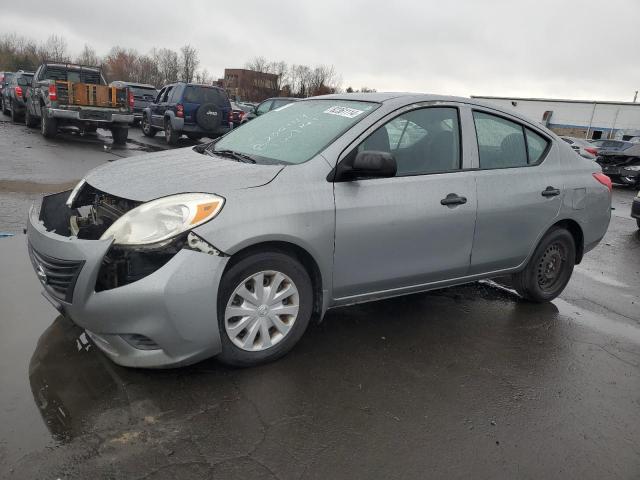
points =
(532, 48)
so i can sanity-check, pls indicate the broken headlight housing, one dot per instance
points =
(158, 221)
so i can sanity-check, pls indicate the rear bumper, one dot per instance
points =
(85, 116)
(179, 125)
(175, 306)
(635, 208)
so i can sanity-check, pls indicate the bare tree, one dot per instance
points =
(88, 56)
(188, 62)
(281, 69)
(54, 49)
(258, 64)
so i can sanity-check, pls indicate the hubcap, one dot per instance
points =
(550, 267)
(261, 311)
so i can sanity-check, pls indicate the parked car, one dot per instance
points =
(143, 96)
(611, 145)
(268, 105)
(4, 80)
(77, 95)
(582, 147)
(13, 94)
(230, 248)
(188, 108)
(622, 166)
(238, 111)
(635, 209)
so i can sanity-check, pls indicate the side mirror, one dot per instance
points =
(366, 164)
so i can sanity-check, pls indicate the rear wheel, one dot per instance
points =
(120, 135)
(29, 121)
(147, 129)
(14, 116)
(2, 106)
(264, 306)
(48, 125)
(549, 268)
(170, 135)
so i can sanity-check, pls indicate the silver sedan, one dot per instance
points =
(230, 249)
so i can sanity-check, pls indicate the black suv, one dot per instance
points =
(14, 94)
(187, 108)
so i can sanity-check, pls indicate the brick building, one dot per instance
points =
(249, 85)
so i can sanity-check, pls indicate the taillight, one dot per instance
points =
(591, 150)
(603, 179)
(53, 92)
(19, 91)
(180, 110)
(131, 100)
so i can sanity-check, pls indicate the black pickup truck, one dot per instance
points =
(76, 95)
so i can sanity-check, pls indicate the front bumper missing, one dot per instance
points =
(175, 306)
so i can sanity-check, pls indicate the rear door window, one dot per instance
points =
(501, 142)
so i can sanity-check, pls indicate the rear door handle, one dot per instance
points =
(550, 192)
(453, 199)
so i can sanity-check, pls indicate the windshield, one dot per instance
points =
(295, 132)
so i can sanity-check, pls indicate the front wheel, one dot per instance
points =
(265, 303)
(2, 107)
(14, 115)
(549, 268)
(147, 129)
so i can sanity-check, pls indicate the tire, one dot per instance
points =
(170, 135)
(29, 121)
(270, 264)
(147, 129)
(48, 125)
(120, 135)
(14, 116)
(2, 107)
(549, 269)
(209, 117)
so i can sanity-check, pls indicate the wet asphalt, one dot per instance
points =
(467, 382)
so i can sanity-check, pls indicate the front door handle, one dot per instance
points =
(453, 199)
(550, 192)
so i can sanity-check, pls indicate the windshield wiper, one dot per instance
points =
(240, 157)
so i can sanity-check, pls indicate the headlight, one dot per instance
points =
(635, 168)
(74, 193)
(164, 218)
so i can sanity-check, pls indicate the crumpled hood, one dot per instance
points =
(146, 177)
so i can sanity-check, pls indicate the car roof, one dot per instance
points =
(407, 98)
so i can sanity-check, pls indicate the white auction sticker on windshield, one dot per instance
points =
(343, 111)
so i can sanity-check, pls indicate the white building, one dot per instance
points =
(578, 118)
